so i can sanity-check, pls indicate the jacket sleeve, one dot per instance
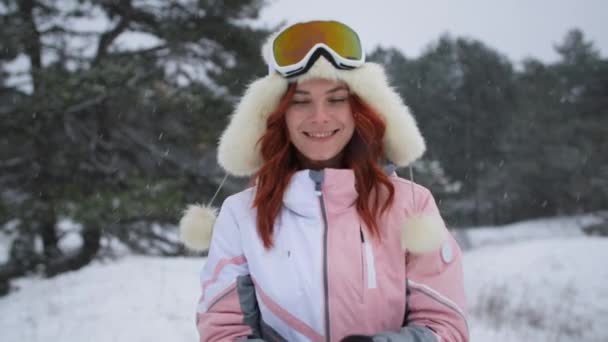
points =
(227, 309)
(435, 290)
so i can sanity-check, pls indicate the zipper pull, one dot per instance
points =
(317, 177)
(361, 232)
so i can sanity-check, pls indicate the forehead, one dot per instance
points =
(320, 86)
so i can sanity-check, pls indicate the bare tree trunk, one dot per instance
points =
(8, 271)
(91, 236)
(48, 228)
(32, 42)
(22, 258)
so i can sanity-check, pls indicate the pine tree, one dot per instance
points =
(109, 121)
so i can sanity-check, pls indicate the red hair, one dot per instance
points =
(361, 154)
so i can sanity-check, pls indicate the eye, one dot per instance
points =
(337, 99)
(299, 102)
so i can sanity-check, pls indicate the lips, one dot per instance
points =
(321, 135)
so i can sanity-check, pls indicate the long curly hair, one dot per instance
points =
(362, 154)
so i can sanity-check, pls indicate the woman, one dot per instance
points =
(330, 244)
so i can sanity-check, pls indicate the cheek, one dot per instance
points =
(292, 123)
(350, 130)
(349, 124)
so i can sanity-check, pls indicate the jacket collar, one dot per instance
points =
(337, 187)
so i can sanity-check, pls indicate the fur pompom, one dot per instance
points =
(196, 226)
(423, 233)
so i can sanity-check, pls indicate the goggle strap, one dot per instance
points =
(320, 51)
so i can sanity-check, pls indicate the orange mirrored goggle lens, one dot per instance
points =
(292, 45)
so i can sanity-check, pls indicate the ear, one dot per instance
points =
(196, 227)
(423, 233)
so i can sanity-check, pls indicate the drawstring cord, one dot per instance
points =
(218, 190)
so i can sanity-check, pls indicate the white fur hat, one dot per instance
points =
(239, 153)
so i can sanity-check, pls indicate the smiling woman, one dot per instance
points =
(319, 125)
(329, 244)
(320, 122)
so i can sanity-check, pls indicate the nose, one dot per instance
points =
(320, 113)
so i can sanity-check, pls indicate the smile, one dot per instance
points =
(321, 135)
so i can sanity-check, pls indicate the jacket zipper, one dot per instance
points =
(318, 181)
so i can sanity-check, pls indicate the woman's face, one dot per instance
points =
(320, 122)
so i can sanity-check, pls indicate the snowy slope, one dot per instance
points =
(544, 289)
(542, 228)
(134, 299)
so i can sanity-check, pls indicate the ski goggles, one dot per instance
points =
(296, 48)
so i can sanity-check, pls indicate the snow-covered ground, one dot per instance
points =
(540, 280)
(554, 289)
(542, 228)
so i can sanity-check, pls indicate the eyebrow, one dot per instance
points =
(333, 90)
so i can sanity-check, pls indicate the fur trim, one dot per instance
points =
(196, 227)
(239, 154)
(267, 50)
(238, 151)
(423, 233)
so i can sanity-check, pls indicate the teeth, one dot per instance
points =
(320, 134)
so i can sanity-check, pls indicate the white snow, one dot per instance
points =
(5, 240)
(522, 283)
(18, 70)
(552, 289)
(7, 234)
(533, 229)
(71, 239)
(135, 41)
(133, 299)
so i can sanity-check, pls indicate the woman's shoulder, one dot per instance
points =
(410, 195)
(240, 203)
(404, 187)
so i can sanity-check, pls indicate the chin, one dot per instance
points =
(324, 162)
(327, 158)
(322, 159)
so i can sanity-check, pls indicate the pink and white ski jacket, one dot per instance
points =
(326, 278)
